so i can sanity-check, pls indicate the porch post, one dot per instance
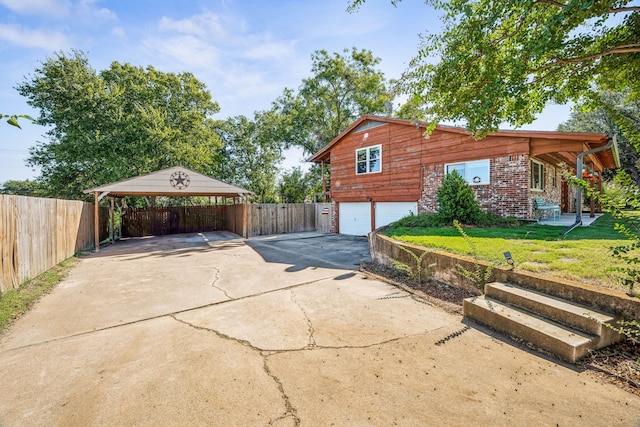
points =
(113, 221)
(324, 182)
(96, 222)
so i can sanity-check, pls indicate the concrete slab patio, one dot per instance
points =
(212, 329)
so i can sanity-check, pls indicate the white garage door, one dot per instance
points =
(388, 212)
(355, 218)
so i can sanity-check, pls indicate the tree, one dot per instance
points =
(250, 155)
(342, 88)
(117, 123)
(503, 61)
(605, 119)
(24, 188)
(297, 186)
(456, 201)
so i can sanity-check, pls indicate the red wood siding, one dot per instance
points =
(405, 150)
(400, 178)
(445, 147)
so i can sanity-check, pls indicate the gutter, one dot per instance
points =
(613, 142)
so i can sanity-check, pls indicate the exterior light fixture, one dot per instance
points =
(507, 256)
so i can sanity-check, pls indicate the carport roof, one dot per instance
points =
(177, 181)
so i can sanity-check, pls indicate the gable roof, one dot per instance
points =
(590, 140)
(177, 181)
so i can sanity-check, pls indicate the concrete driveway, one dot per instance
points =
(210, 329)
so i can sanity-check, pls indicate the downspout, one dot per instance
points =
(612, 143)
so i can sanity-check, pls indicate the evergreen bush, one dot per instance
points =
(457, 201)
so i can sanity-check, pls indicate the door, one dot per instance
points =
(355, 218)
(388, 212)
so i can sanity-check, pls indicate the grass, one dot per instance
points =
(16, 302)
(583, 255)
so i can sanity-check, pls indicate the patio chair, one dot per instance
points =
(546, 209)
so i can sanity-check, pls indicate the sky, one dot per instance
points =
(245, 51)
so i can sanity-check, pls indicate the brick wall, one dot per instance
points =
(506, 195)
(552, 192)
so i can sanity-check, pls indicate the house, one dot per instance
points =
(384, 168)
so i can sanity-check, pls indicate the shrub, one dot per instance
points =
(423, 220)
(457, 201)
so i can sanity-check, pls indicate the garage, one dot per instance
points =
(355, 218)
(388, 212)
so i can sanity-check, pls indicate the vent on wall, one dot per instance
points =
(369, 124)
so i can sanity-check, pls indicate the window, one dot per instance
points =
(476, 172)
(537, 175)
(554, 178)
(369, 159)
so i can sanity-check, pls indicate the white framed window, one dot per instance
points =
(369, 159)
(475, 172)
(537, 175)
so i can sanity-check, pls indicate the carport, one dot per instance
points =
(177, 181)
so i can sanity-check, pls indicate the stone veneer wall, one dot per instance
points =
(506, 195)
(334, 217)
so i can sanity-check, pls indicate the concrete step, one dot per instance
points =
(565, 342)
(559, 310)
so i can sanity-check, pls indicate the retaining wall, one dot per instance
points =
(384, 250)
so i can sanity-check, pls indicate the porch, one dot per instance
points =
(567, 219)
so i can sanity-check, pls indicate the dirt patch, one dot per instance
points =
(569, 260)
(438, 293)
(618, 364)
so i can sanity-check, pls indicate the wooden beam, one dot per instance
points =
(96, 222)
(113, 221)
(543, 146)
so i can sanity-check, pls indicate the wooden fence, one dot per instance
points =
(172, 220)
(37, 233)
(266, 219)
(244, 220)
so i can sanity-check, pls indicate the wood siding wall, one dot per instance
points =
(413, 168)
(399, 180)
(405, 150)
(37, 233)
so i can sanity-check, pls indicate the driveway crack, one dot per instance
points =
(311, 341)
(216, 277)
(291, 412)
(218, 333)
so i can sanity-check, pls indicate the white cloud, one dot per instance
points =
(188, 50)
(119, 32)
(48, 40)
(88, 9)
(206, 24)
(269, 50)
(55, 8)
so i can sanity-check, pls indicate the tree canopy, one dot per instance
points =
(250, 154)
(342, 88)
(607, 119)
(504, 61)
(118, 123)
(23, 188)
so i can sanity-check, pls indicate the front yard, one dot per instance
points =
(583, 255)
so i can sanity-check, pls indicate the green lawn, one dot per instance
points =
(582, 255)
(16, 302)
